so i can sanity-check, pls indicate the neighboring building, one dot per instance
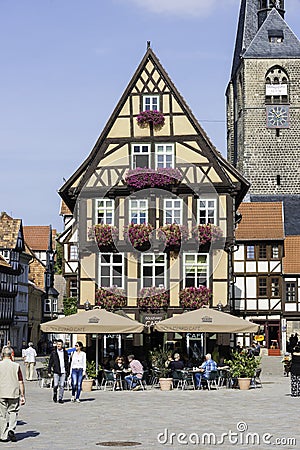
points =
(291, 286)
(258, 267)
(8, 292)
(37, 238)
(12, 248)
(208, 190)
(263, 101)
(35, 302)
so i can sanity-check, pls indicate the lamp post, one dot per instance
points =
(87, 305)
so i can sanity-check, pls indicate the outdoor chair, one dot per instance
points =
(141, 381)
(108, 380)
(154, 378)
(212, 379)
(224, 378)
(178, 379)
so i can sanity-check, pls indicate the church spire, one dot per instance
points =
(265, 6)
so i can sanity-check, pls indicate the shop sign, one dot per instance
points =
(151, 319)
(194, 335)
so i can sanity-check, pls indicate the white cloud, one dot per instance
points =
(199, 8)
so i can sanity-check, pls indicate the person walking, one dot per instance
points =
(8, 345)
(78, 371)
(30, 361)
(295, 372)
(12, 395)
(59, 362)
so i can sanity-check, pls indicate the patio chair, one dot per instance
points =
(141, 381)
(108, 379)
(212, 379)
(154, 378)
(178, 379)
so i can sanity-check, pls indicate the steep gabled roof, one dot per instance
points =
(291, 260)
(261, 221)
(84, 172)
(260, 47)
(10, 230)
(4, 263)
(37, 237)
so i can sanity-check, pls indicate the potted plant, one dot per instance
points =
(105, 235)
(153, 299)
(91, 375)
(140, 178)
(243, 367)
(139, 235)
(205, 234)
(173, 235)
(152, 118)
(110, 298)
(160, 361)
(194, 297)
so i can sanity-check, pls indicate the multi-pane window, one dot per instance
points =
(274, 252)
(206, 211)
(195, 269)
(50, 304)
(164, 155)
(290, 291)
(111, 270)
(73, 252)
(151, 103)
(105, 211)
(262, 287)
(153, 269)
(276, 82)
(275, 287)
(140, 156)
(262, 251)
(138, 211)
(172, 211)
(73, 289)
(250, 251)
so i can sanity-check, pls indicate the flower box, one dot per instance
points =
(145, 177)
(110, 298)
(105, 235)
(173, 235)
(153, 299)
(151, 118)
(194, 297)
(206, 234)
(138, 235)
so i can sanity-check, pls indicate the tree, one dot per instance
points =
(70, 305)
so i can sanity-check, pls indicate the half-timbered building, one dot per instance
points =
(151, 180)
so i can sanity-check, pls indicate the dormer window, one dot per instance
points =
(275, 36)
(151, 103)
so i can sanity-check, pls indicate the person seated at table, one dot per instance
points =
(177, 363)
(222, 364)
(137, 372)
(205, 369)
(119, 363)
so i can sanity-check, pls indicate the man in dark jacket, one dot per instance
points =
(59, 361)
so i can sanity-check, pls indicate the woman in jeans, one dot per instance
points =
(78, 369)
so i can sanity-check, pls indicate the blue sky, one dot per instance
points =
(65, 64)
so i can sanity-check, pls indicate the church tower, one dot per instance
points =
(263, 100)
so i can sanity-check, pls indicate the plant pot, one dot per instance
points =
(87, 385)
(166, 384)
(244, 383)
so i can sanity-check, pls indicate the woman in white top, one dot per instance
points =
(78, 369)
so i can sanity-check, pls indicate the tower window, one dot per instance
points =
(278, 180)
(277, 85)
(275, 36)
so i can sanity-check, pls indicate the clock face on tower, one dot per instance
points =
(277, 116)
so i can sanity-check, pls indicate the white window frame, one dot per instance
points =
(198, 265)
(108, 207)
(153, 264)
(170, 208)
(111, 264)
(207, 208)
(149, 105)
(164, 150)
(136, 207)
(134, 152)
(73, 252)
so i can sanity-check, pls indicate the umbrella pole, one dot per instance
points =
(188, 345)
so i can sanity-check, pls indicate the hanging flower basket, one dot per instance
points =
(138, 234)
(144, 177)
(208, 233)
(173, 235)
(110, 298)
(194, 297)
(154, 118)
(153, 299)
(105, 235)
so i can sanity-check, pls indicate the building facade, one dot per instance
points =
(142, 200)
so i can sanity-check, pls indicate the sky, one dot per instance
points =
(65, 65)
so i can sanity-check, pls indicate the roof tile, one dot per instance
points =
(261, 221)
(291, 260)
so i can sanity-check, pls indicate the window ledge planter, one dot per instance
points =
(139, 235)
(207, 234)
(173, 236)
(194, 297)
(140, 178)
(153, 299)
(110, 298)
(105, 236)
(151, 118)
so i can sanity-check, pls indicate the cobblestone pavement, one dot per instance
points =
(106, 416)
